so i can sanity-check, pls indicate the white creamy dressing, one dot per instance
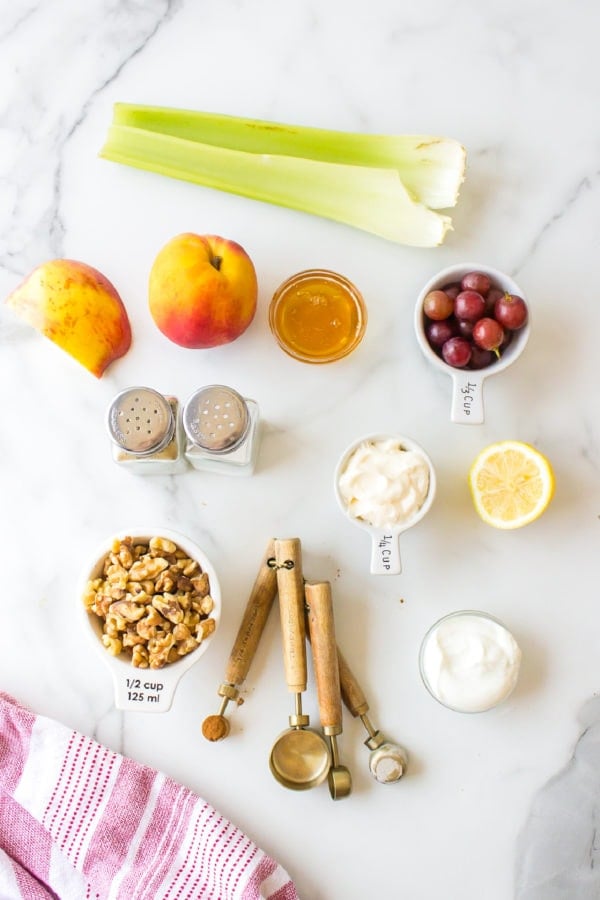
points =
(470, 662)
(383, 483)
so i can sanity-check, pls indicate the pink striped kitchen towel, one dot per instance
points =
(79, 822)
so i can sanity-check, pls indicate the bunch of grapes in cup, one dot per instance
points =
(470, 323)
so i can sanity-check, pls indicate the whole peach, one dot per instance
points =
(203, 290)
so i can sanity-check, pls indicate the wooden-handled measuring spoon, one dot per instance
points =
(325, 660)
(300, 756)
(387, 761)
(258, 607)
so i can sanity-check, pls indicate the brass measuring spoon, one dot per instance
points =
(327, 675)
(258, 607)
(300, 756)
(387, 761)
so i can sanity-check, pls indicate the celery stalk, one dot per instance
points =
(373, 199)
(431, 168)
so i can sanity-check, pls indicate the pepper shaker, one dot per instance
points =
(145, 429)
(221, 430)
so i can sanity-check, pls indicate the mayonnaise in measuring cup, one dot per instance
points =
(383, 483)
(469, 661)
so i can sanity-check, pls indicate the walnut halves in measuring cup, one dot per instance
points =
(152, 600)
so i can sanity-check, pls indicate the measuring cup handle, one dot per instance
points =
(322, 638)
(290, 585)
(385, 553)
(352, 693)
(467, 397)
(254, 620)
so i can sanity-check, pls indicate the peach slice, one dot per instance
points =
(76, 307)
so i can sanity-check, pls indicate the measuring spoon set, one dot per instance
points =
(301, 757)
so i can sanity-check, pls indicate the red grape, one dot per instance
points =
(437, 305)
(492, 295)
(510, 311)
(476, 281)
(469, 305)
(452, 289)
(480, 358)
(440, 332)
(464, 328)
(488, 334)
(457, 352)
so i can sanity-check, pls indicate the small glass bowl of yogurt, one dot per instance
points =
(469, 661)
(385, 484)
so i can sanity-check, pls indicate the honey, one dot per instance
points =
(318, 316)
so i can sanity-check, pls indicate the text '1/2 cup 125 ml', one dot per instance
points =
(467, 383)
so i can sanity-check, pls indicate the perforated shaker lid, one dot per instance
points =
(216, 418)
(140, 421)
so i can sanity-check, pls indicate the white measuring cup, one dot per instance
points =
(145, 690)
(467, 384)
(385, 542)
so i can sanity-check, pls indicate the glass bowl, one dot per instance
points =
(318, 316)
(469, 661)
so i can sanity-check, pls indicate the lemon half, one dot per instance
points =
(511, 483)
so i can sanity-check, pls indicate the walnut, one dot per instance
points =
(207, 604)
(200, 584)
(112, 644)
(139, 656)
(158, 650)
(117, 576)
(152, 601)
(190, 567)
(191, 619)
(147, 567)
(204, 628)
(160, 545)
(164, 583)
(184, 584)
(125, 556)
(181, 632)
(131, 637)
(169, 607)
(127, 610)
(147, 626)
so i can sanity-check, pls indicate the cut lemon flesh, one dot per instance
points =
(511, 483)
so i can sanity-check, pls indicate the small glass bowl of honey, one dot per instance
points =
(318, 316)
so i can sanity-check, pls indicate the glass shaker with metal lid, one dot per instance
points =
(221, 430)
(144, 427)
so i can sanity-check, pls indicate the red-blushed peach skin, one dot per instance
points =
(203, 291)
(77, 308)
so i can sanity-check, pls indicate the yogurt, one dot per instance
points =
(469, 661)
(383, 483)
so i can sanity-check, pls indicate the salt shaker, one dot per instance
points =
(221, 430)
(145, 429)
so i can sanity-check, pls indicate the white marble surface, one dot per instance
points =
(490, 799)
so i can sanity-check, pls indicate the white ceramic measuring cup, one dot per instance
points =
(467, 390)
(385, 542)
(145, 690)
